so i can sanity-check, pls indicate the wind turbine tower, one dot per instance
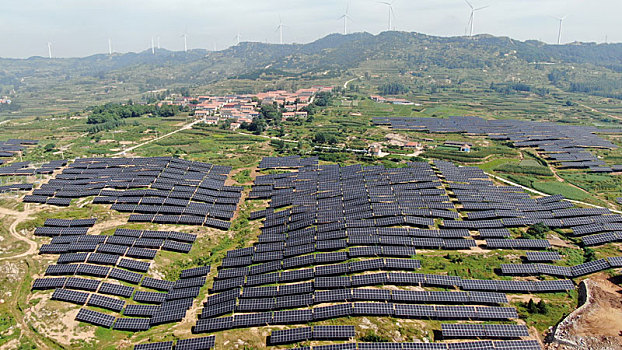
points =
(109, 47)
(345, 18)
(471, 23)
(49, 49)
(185, 42)
(391, 12)
(152, 47)
(279, 28)
(158, 42)
(559, 32)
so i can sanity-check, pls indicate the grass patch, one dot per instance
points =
(552, 188)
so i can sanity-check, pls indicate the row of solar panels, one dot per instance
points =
(354, 309)
(180, 220)
(226, 303)
(392, 278)
(564, 271)
(471, 345)
(296, 335)
(203, 343)
(138, 247)
(339, 230)
(15, 187)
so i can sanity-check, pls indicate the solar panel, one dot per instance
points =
(195, 272)
(71, 296)
(140, 310)
(48, 283)
(134, 265)
(157, 284)
(106, 302)
(131, 324)
(203, 343)
(125, 276)
(82, 283)
(116, 289)
(168, 345)
(333, 332)
(95, 318)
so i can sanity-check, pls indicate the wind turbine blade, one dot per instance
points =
(481, 8)
(468, 3)
(384, 2)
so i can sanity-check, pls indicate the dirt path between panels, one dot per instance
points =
(19, 217)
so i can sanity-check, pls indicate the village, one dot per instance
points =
(239, 109)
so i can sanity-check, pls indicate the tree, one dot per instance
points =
(271, 113)
(319, 138)
(322, 99)
(279, 145)
(392, 89)
(589, 254)
(537, 231)
(49, 147)
(531, 307)
(543, 308)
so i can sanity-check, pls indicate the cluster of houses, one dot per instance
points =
(5, 100)
(395, 101)
(244, 108)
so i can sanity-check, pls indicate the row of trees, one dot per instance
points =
(113, 115)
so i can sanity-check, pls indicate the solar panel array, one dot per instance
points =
(170, 307)
(451, 330)
(177, 191)
(15, 188)
(331, 233)
(203, 343)
(114, 257)
(295, 335)
(564, 145)
(9, 149)
(554, 270)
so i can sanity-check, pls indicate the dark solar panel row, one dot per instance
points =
(295, 335)
(354, 309)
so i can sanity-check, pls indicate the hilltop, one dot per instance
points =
(60, 85)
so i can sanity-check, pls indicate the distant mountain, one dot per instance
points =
(103, 75)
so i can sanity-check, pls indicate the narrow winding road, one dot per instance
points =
(18, 218)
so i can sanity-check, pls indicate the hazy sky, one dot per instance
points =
(83, 27)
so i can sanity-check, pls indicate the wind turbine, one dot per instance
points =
(345, 18)
(559, 33)
(237, 38)
(49, 49)
(472, 16)
(391, 12)
(279, 28)
(185, 36)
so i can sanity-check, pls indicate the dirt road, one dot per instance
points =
(130, 149)
(19, 217)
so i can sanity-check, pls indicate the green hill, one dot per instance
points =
(41, 85)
